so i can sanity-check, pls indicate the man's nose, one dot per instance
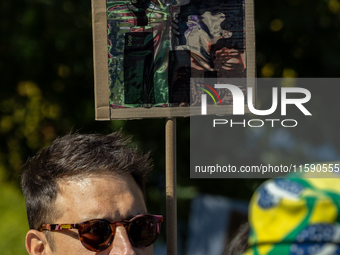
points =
(121, 244)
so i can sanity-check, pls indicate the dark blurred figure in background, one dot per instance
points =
(239, 243)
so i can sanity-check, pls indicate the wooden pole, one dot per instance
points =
(171, 197)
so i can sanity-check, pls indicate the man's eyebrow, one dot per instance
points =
(128, 217)
(134, 215)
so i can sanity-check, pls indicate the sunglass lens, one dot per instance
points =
(96, 235)
(143, 231)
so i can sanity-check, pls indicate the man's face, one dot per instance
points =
(99, 197)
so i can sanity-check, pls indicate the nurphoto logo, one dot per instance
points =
(238, 105)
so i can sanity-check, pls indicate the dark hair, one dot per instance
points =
(239, 243)
(79, 156)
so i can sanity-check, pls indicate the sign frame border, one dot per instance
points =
(103, 111)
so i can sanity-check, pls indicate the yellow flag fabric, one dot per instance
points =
(296, 215)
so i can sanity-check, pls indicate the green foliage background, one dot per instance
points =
(46, 90)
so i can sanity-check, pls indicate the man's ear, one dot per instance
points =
(36, 243)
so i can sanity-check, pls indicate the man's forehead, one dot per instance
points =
(98, 183)
(83, 181)
(104, 196)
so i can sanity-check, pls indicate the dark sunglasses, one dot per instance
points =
(97, 235)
